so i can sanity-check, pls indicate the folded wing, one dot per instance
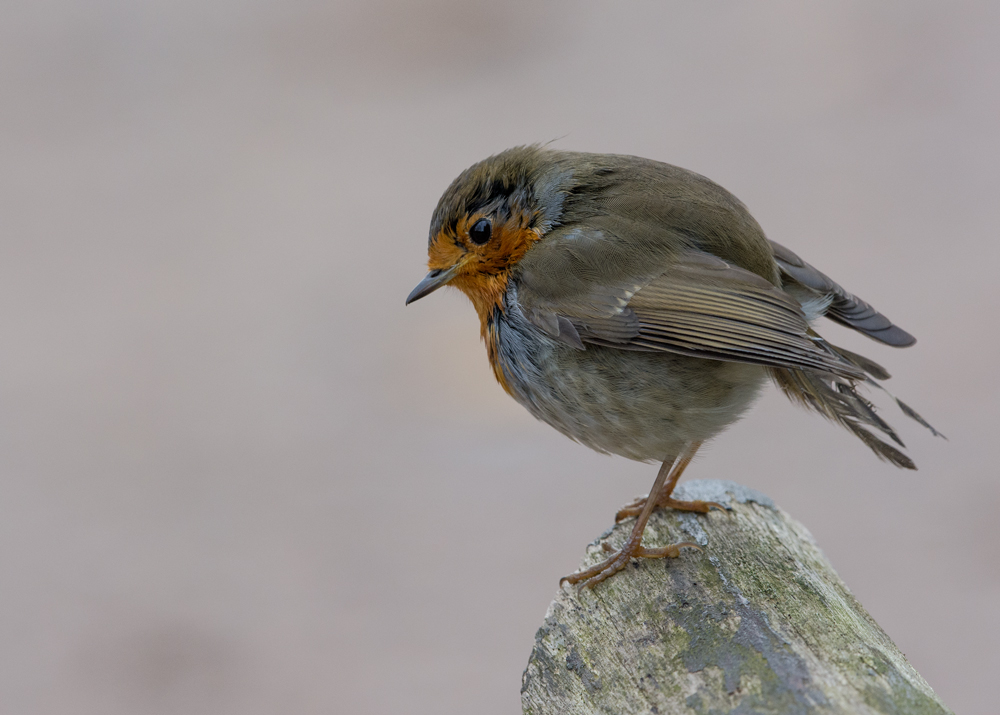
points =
(696, 305)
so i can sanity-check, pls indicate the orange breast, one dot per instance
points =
(484, 271)
(492, 339)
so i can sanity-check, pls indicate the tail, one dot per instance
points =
(833, 396)
(837, 399)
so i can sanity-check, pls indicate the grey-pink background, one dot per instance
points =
(238, 476)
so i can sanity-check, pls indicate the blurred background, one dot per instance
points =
(237, 476)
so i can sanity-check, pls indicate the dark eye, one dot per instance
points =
(480, 232)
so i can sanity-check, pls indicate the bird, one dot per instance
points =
(638, 308)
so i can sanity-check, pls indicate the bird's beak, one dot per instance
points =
(431, 282)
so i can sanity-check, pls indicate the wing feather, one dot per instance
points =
(844, 308)
(697, 305)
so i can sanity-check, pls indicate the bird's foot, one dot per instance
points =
(636, 507)
(632, 548)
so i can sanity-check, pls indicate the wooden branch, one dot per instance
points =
(758, 622)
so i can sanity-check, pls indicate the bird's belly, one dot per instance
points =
(641, 405)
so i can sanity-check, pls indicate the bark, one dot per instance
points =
(757, 622)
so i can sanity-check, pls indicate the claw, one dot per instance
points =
(619, 560)
(635, 508)
(630, 510)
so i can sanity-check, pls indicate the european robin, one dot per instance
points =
(638, 308)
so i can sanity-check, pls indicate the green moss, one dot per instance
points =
(889, 692)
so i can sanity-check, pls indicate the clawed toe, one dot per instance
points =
(665, 552)
(632, 510)
(702, 507)
(618, 560)
(597, 573)
(636, 507)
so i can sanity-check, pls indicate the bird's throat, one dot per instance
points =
(487, 295)
(486, 291)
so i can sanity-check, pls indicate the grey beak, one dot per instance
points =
(431, 282)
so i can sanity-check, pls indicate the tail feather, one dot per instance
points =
(837, 399)
(910, 412)
(870, 366)
(867, 410)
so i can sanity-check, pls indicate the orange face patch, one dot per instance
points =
(482, 271)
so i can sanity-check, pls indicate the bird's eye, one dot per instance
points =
(480, 232)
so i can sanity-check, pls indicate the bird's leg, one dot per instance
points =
(663, 498)
(669, 473)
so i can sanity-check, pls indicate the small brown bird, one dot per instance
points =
(638, 308)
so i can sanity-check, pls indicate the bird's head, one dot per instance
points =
(487, 220)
